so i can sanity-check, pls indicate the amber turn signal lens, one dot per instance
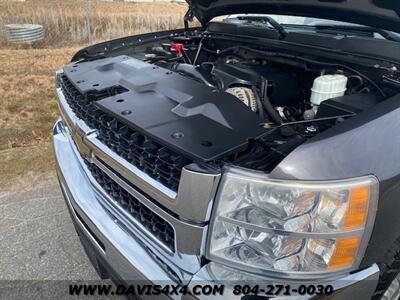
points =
(358, 208)
(345, 252)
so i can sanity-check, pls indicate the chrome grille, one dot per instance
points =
(156, 225)
(159, 162)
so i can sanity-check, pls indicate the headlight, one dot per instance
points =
(260, 225)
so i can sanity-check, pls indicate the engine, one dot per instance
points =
(281, 94)
(218, 102)
(253, 85)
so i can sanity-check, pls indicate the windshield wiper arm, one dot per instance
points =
(278, 27)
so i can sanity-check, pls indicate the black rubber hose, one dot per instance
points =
(260, 107)
(272, 113)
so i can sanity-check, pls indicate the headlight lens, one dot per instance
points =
(314, 227)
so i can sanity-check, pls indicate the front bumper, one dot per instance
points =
(123, 256)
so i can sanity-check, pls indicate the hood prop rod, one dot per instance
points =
(273, 125)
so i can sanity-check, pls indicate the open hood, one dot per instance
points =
(384, 14)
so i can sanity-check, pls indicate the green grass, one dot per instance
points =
(14, 107)
(26, 166)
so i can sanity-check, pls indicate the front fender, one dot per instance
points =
(368, 143)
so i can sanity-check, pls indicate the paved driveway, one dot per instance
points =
(38, 243)
(37, 238)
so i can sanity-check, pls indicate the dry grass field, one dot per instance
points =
(28, 107)
(64, 21)
(27, 112)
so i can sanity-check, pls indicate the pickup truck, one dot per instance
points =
(257, 150)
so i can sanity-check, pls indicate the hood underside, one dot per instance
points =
(384, 14)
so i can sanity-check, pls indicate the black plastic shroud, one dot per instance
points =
(178, 112)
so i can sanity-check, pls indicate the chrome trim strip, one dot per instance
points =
(138, 177)
(129, 171)
(76, 218)
(133, 259)
(194, 182)
(212, 273)
(120, 210)
(371, 273)
(196, 193)
(126, 254)
(192, 233)
(187, 251)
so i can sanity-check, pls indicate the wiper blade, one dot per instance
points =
(265, 19)
(386, 34)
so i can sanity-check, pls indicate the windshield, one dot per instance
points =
(323, 26)
(288, 20)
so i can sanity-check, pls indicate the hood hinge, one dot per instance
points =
(188, 18)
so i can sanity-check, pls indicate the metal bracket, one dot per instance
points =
(188, 18)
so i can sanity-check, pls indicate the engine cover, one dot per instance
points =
(176, 111)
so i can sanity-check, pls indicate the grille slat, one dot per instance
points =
(156, 225)
(157, 161)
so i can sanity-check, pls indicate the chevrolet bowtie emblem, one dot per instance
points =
(80, 144)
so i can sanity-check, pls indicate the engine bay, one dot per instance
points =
(196, 120)
(219, 100)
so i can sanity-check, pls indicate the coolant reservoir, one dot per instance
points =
(327, 87)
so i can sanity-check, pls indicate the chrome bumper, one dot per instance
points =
(133, 260)
(119, 248)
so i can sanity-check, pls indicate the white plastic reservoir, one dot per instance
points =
(327, 87)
